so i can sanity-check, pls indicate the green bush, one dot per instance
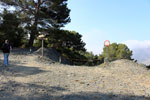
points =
(117, 51)
(37, 43)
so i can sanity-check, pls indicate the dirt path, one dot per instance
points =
(28, 79)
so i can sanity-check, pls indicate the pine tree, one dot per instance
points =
(117, 51)
(10, 29)
(40, 14)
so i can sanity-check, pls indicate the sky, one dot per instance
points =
(120, 21)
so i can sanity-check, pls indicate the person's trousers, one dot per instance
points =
(6, 62)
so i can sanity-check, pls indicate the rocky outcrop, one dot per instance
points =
(50, 54)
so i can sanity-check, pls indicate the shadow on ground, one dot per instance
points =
(18, 91)
(20, 71)
(12, 90)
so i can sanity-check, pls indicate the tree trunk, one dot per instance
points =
(33, 33)
(32, 37)
(34, 30)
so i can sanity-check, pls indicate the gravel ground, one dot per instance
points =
(27, 78)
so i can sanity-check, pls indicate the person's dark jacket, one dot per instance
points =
(6, 48)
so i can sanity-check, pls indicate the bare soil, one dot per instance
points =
(27, 78)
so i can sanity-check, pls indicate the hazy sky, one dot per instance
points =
(121, 21)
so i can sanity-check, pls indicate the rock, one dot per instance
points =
(52, 55)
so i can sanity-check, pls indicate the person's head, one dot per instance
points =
(6, 41)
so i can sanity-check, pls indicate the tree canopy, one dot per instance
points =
(117, 51)
(39, 15)
(10, 29)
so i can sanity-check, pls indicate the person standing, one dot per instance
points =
(6, 47)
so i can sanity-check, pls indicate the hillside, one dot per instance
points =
(27, 78)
